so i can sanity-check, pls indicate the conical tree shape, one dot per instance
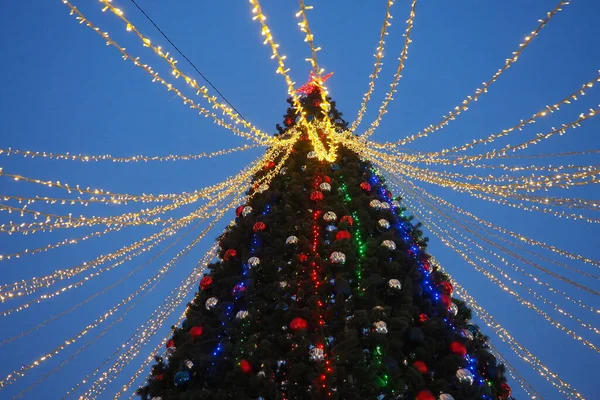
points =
(324, 291)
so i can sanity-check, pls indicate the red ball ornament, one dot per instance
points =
(270, 165)
(420, 366)
(446, 300)
(229, 254)
(447, 287)
(298, 323)
(342, 235)
(288, 121)
(170, 343)
(239, 210)
(389, 194)
(423, 317)
(425, 395)
(245, 366)
(196, 332)
(316, 103)
(347, 219)
(302, 257)
(505, 391)
(159, 377)
(458, 348)
(206, 282)
(365, 186)
(316, 196)
(327, 179)
(258, 227)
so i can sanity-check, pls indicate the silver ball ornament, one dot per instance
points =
(246, 211)
(189, 364)
(283, 284)
(311, 154)
(467, 334)
(453, 309)
(380, 327)
(338, 257)
(283, 171)
(389, 244)
(316, 354)
(262, 188)
(291, 240)
(385, 205)
(253, 261)
(375, 204)
(394, 284)
(383, 225)
(464, 376)
(331, 228)
(325, 187)
(242, 314)
(329, 216)
(445, 396)
(211, 303)
(395, 204)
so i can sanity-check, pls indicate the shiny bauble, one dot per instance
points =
(375, 204)
(425, 395)
(505, 391)
(303, 168)
(389, 244)
(385, 205)
(365, 186)
(245, 366)
(181, 379)
(394, 284)
(253, 261)
(467, 334)
(342, 235)
(242, 314)
(259, 227)
(420, 366)
(298, 323)
(453, 309)
(383, 225)
(474, 330)
(229, 254)
(380, 327)
(464, 376)
(283, 171)
(337, 257)
(395, 204)
(445, 396)
(326, 187)
(458, 348)
(263, 187)
(283, 284)
(247, 210)
(261, 374)
(238, 211)
(316, 196)
(188, 364)
(311, 154)
(196, 332)
(291, 240)
(211, 303)
(316, 354)
(347, 219)
(331, 228)
(335, 167)
(446, 287)
(206, 282)
(329, 216)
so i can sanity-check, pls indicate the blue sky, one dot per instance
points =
(65, 91)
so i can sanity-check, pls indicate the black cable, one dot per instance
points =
(187, 59)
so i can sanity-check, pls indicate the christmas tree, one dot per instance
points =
(324, 290)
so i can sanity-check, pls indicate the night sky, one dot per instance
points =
(63, 90)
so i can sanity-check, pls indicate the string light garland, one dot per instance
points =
(402, 60)
(156, 78)
(133, 159)
(201, 90)
(379, 54)
(464, 106)
(505, 288)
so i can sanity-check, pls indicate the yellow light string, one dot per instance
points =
(259, 16)
(160, 346)
(549, 109)
(145, 332)
(379, 54)
(88, 344)
(26, 287)
(201, 90)
(133, 159)
(156, 78)
(464, 106)
(318, 72)
(514, 374)
(506, 337)
(534, 294)
(495, 280)
(134, 218)
(19, 373)
(403, 56)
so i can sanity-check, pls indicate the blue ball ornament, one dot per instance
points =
(182, 379)
(335, 167)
